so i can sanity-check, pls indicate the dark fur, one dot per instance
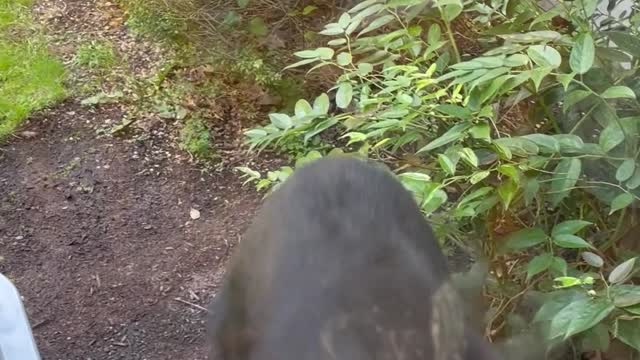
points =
(340, 264)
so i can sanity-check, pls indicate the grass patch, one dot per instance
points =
(195, 138)
(96, 55)
(30, 78)
(155, 19)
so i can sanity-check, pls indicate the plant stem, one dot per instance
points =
(453, 41)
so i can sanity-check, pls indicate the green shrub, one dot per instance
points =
(563, 192)
(96, 55)
(195, 138)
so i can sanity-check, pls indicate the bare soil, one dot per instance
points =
(98, 237)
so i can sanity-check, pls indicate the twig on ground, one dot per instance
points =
(191, 304)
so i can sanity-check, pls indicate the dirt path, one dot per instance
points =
(96, 231)
(98, 237)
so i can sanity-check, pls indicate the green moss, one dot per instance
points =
(30, 78)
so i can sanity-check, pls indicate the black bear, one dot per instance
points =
(340, 264)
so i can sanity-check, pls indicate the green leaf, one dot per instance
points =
(518, 145)
(622, 272)
(547, 15)
(579, 316)
(450, 12)
(555, 302)
(309, 158)
(453, 74)
(564, 282)
(611, 136)
(587, 7)
(592, 259)
(485, 62)
(545, 56)
(507, 191)
(282, 121)
(525, 238)
(355, 137)
(303, 109)
(566, 175)
(300, 63)
(573, 98)
(255, 133)
(538, 74)
(344, 59)
(454, 110)
(258, 27)
(479, 176)
(569, 143)
(453, 134)
(307, 54)
(325, 53)
(363, 5)
(582, 54)
(337, 42)
(364, 68)
(242, 3)
(626, 41)
(634, 182)
(344, 20)
(358, 18)
(532, 36)
(321, 104)
(481, 131)
(469, 156)
(628, 331)
(434, 198)
(565, 79)
(620, 202)
(627, 299)
(569, 227)
(377, 23)
(415, 30)
(510, 171)
(538, 264)
(434, 34)
(344, 95)
(415, 176)
(309, 9)
(544, 142)
(570, 241)
(558, 266)
(332, 31)
(489, 76)
(635, 310)
(516, 60)
(626, 170)
(469, 199)
(446, 164)
(616, 92)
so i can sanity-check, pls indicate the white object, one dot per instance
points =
(16, 339)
